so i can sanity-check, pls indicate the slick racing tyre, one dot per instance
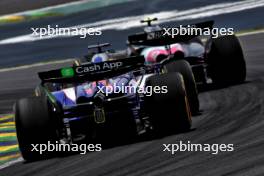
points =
(184, 68)
(226, 63)
(169, 112)
(34, 125)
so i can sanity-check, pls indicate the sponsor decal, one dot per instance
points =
(67, 72)
(98, 67)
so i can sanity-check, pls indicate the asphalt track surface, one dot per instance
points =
(232, 114)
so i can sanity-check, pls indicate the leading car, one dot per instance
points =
(213, 60)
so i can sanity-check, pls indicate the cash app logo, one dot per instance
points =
(67, 72)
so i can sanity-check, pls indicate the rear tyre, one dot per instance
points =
(34, 125)
(184, 68)
(169, 112)
(226, 63)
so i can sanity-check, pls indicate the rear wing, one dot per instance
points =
(92, 71)
(160, 38)
(99, 46)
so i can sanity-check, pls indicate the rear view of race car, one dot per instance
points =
(152, 56)
(213, 60)
(78, 103)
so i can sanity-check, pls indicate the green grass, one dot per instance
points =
(7, 138)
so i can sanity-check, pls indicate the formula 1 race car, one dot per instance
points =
(213, 60)
(181, 66)
(102, 102)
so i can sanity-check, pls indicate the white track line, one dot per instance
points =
(165, 16)
(250, 33)
(52, 8)
(7, 164)
(45, 8)
(71, 59)
(36, 65)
